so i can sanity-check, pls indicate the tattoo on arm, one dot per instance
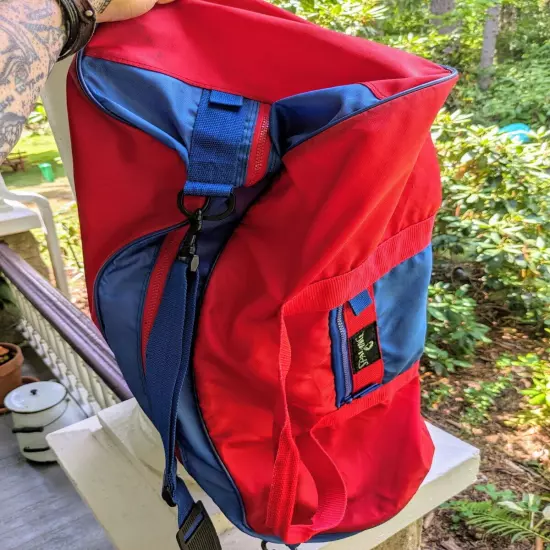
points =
(31, 37)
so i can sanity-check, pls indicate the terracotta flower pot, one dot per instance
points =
(10, 372)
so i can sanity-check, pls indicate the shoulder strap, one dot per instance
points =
(216, 165)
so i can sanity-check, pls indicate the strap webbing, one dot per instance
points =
(167, 367)
(220, 144)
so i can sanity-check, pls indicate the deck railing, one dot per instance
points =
(64, 337)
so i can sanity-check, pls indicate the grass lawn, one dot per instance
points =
(36, 149)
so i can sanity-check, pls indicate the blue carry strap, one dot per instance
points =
(167, 367)
(220, 144)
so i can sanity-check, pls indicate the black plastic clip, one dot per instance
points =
(198, 531)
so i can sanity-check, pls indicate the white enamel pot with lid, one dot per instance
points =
(38, 409)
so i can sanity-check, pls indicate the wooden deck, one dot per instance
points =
(39, 508)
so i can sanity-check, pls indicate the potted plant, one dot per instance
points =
(11, 360)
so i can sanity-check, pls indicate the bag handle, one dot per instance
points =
(306, 451)
(292, 455)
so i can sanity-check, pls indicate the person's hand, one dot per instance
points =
(117, 10)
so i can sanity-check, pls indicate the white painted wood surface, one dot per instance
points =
(115, 461)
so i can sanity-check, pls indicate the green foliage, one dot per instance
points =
(67, 228)
(453, 329)
(496, 212)
(480, 399)
(435, 396)
(7, 299)
(520, 92)
(504, 515)
(68, 231)
(535, 369)
(353, 17)
(524, 25)
(37, 121)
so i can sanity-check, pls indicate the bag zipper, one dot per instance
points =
(346, 364)
(341, 362)
(259, 158)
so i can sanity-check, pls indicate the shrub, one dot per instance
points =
(504, 515)
(353, 17)
(520, 92)
(535, 369)
(453, 329)
(480, 399)
(496, 212)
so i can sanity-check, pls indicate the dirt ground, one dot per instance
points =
(515, 458)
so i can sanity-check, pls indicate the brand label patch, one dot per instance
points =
(365, 349)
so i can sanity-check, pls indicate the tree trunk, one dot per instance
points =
(439, 8)
(488, 51)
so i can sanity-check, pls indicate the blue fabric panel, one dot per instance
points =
(223, 98)
(360, 302)
(216, 155)
(295, 119)
(401, 298)
(207, 189)
(119, 294)
(164, 107)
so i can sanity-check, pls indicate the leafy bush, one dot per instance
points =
(520, 92)
(496, 212)
(453, 329)
(480, 400)
(434, 396)
(353, 17)
(537, 371)
(505, 516)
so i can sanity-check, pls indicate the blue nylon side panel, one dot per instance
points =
(160, 105)
(297, 118)
(119, 294)
(401, 299)
(360, 302)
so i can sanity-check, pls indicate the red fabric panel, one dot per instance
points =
(239, 46)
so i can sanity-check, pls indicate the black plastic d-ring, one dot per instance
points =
(227, 212)
(188, 213)
(204, 208)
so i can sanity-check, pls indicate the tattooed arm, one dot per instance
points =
(32, 34)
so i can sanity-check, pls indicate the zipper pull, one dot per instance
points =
(188, 249)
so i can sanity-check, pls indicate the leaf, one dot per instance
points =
(546, 513)
(514, 507)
